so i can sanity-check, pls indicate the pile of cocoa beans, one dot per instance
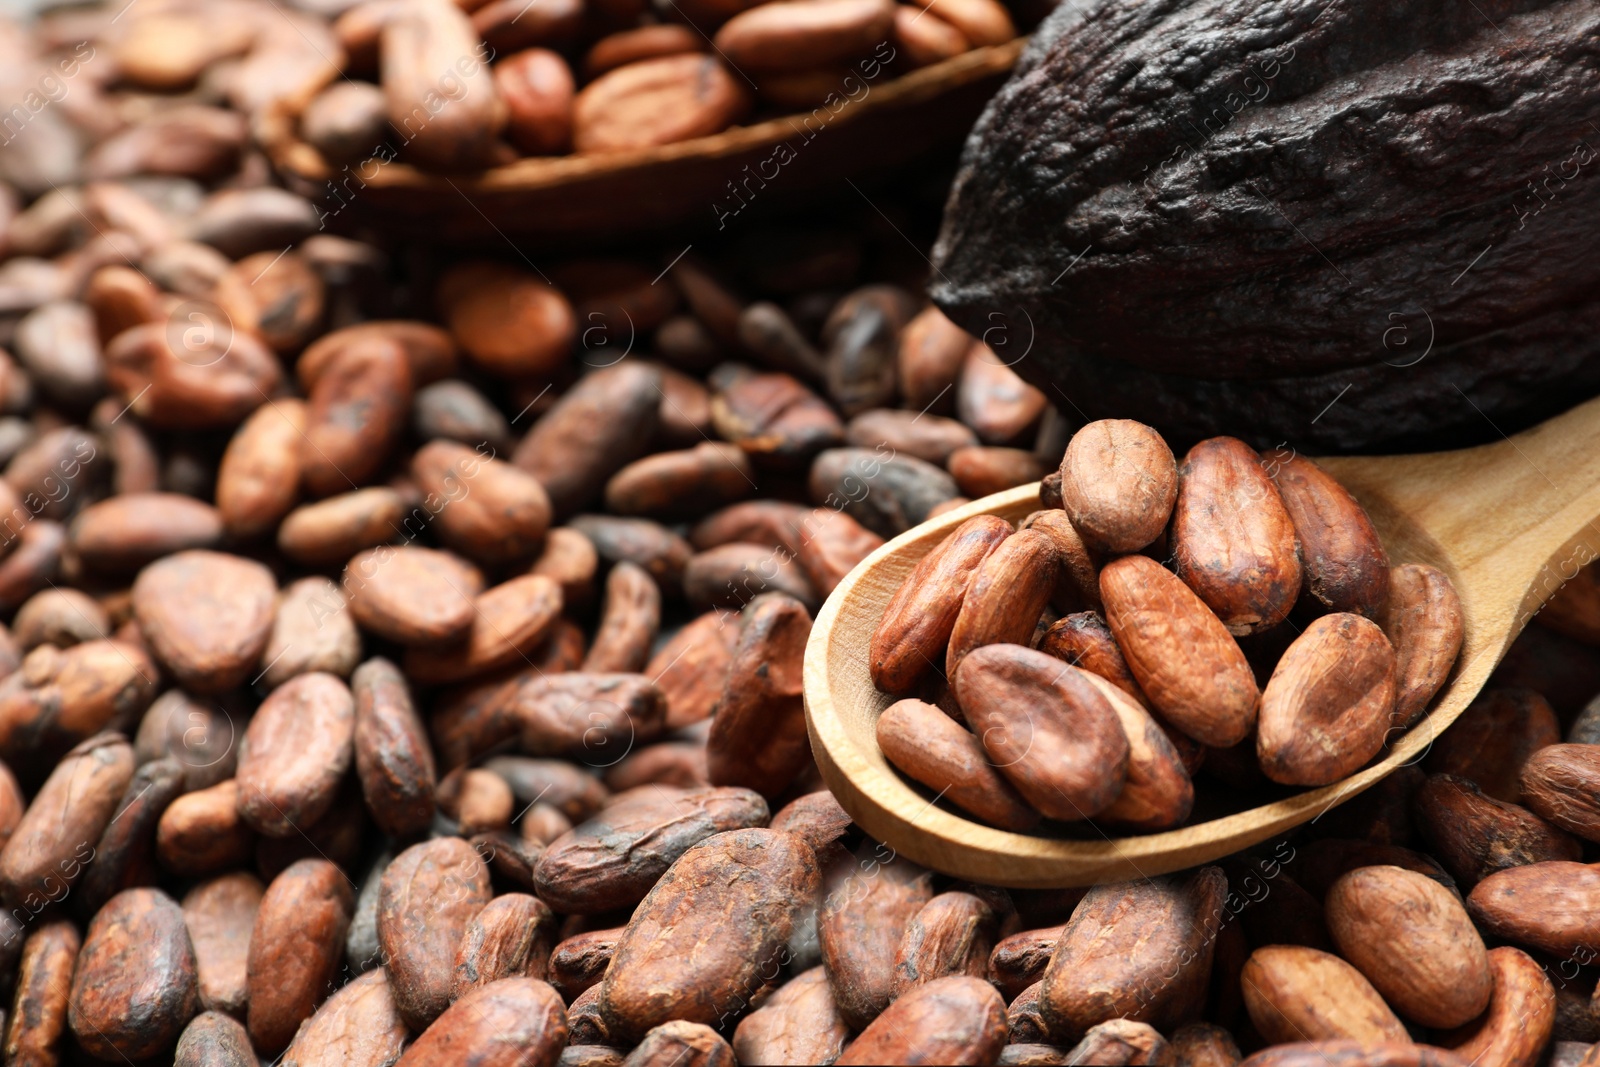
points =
(1084, 679)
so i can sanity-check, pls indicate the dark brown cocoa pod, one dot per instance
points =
(295, 750)
(484, 508)
(773, 417)
(886, 493)
(953, 934)
(681, 484)
(649, 544)
(412, 595)
(1346, 567)
(393, 758)
(1019, 961)
(206, 616)
(1493, 739)
(60, 617)
(192, 372)
(579, 962)
(683, 1043)
(510, 938)
(355, 414)
(612, 860)
(598, 426)
(1232, 539)
(123, 533)
(125, 855)
(923, 742)
(510, 622)
(1164, 931)
(959, 1020)
(220, 915)
(54, 841)
(705, 968)
(296, 947)
(799, 1023)
(313, 630)
(134, 987)
(1048, 728)
(691, 665)
(213, 1039)
(202, 832)
(594, 718)
(993, 400)
(1475, 835)
(38, 1017)
(917, 623)
(514, 1022)
(430, 894)
(730, 575)
(331, 531)
(1004, 597)
(632, 615)
(62, 696)
(358, 1025)
(758, 736)
(867, 902)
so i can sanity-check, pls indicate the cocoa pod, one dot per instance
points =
(1493, 739)
(1298, 993)
(1328, 706)
(313, 630)
(918, 622)
(134, 986)
(1136, 950)
(296, 947)
(1004, 597)
(358, 1025)
(612, 860)
(691, 666)
(1232, 539)
(932, 438)
(602, 423)
(1552, 906)
(412, 595)
(1423, 621)
(1122, 1041)
(953, 934)
(213, 1039)
(430, 894)
(957, 1020)
(632, 615)
(331, 531)
(38, 1016)
(510, 938)
(596, 718)
(295, 750)
(926, 744)
(355, 414)
(1561, 783)
(55, 838)
(623, 109)
(993, 400)
(1474, 835)
(220, 915)
(867, 902)
(431, 50)
(579, 962)
(887, 494)
(514, 1022)
(1119, 482)
(393, 758)
(1414, 942)
(668, 965)
(489, 511)
(1182, 656)
(206, 616)
(758, 736)
(1346, 567)
(1047, 728)
(1520, 1018)
(124, 533)
(1018, 961)
(509, 623)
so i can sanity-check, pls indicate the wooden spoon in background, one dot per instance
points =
(1508, 522)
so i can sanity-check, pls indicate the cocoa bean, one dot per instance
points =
(213, 1039)
(194, 373)
(772, 417)
(332, 530)
(122, 534)
(624, 109)
(1346, 567)
(1122, 1041)
(1423, 622)
(1298, 993)
(579, 962)
(202, 832)
(595, 718)
(953, 934)
(412, 595)
(430, 351)
(632, 615)
(430, 894)
(691, 666)
(1517, 1025)
(295, 751)
(1552, 906)
(570, 558)
(1474, 835)
(1004, 597)
(886, 493)
(355, 414)
(488, 510)
(867, 902)
(927, 745)
(455, 411)
(758, 736)
(220, 915)
(313, 630)
(60, 617)
(958, 1020)
(799, 1023)
(514, 1022)
(509, 623)
(1493, 739)
(991, 398)
(55, 839)
(44, 983)
(510, 938)
(932, 351)
(134, 987)
(681, 484)
(1562, 784)
(598, 426)
(1018, 961)
(1158, 793)
(126, 853)
(206, 616)
(358, 1025)
(296, 947)
(431, 50)
(538, 91)
(1119, 483)
(392, 755)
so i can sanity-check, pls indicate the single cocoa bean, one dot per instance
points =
(134, 987)
(958, 1020)
(295, 750)
(758, 736)
(206, 616)
(296, 947)
(430, 894)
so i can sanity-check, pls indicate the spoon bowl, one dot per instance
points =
(1508, 522)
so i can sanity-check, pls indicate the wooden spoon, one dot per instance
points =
(1508, 522)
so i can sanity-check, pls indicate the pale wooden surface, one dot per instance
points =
(1507, 521)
